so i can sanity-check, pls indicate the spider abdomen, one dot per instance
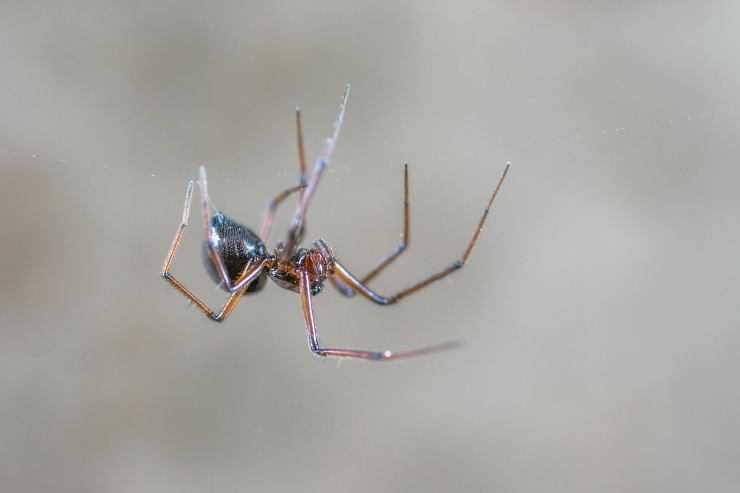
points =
(237, 245)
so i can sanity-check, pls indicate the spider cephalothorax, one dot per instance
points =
(237, 259)
(317, 262)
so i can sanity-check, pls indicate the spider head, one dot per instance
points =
(319, 261)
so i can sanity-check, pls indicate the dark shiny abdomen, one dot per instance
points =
(237, 245)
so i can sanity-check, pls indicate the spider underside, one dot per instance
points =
(237, 258)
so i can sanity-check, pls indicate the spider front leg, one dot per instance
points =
(302, 180)
(250, 273)
(296, 229)
(272, 208)
(315, 346)
(353, 283)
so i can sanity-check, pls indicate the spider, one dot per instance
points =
(237, 258)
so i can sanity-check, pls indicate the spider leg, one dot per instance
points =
(315, 346)
(232, 301)
(359, 286)
(272, 210)
(217, 317)
(295, 231)
(180, 229)
(340, 286)
(394, 254)
(206, 201)
(302, 180)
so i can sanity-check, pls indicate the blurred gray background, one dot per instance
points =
(599, 312)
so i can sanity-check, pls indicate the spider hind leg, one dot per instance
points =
(316, 348)
(350, 282)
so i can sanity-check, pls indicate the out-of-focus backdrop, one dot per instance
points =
(599, 312)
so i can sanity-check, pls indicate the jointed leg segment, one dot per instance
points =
(295, 232)
(343, 288)
(393, 255)
(351, 282)
(272, 210)
(302, 182)
(315, 346)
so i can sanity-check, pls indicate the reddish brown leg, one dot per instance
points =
(302, 180)
(359, 286)
(295, 232)
(394, 254)
(340, 286)
(315, 346)
(233, 300)
(272, 210)
(217, 317)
